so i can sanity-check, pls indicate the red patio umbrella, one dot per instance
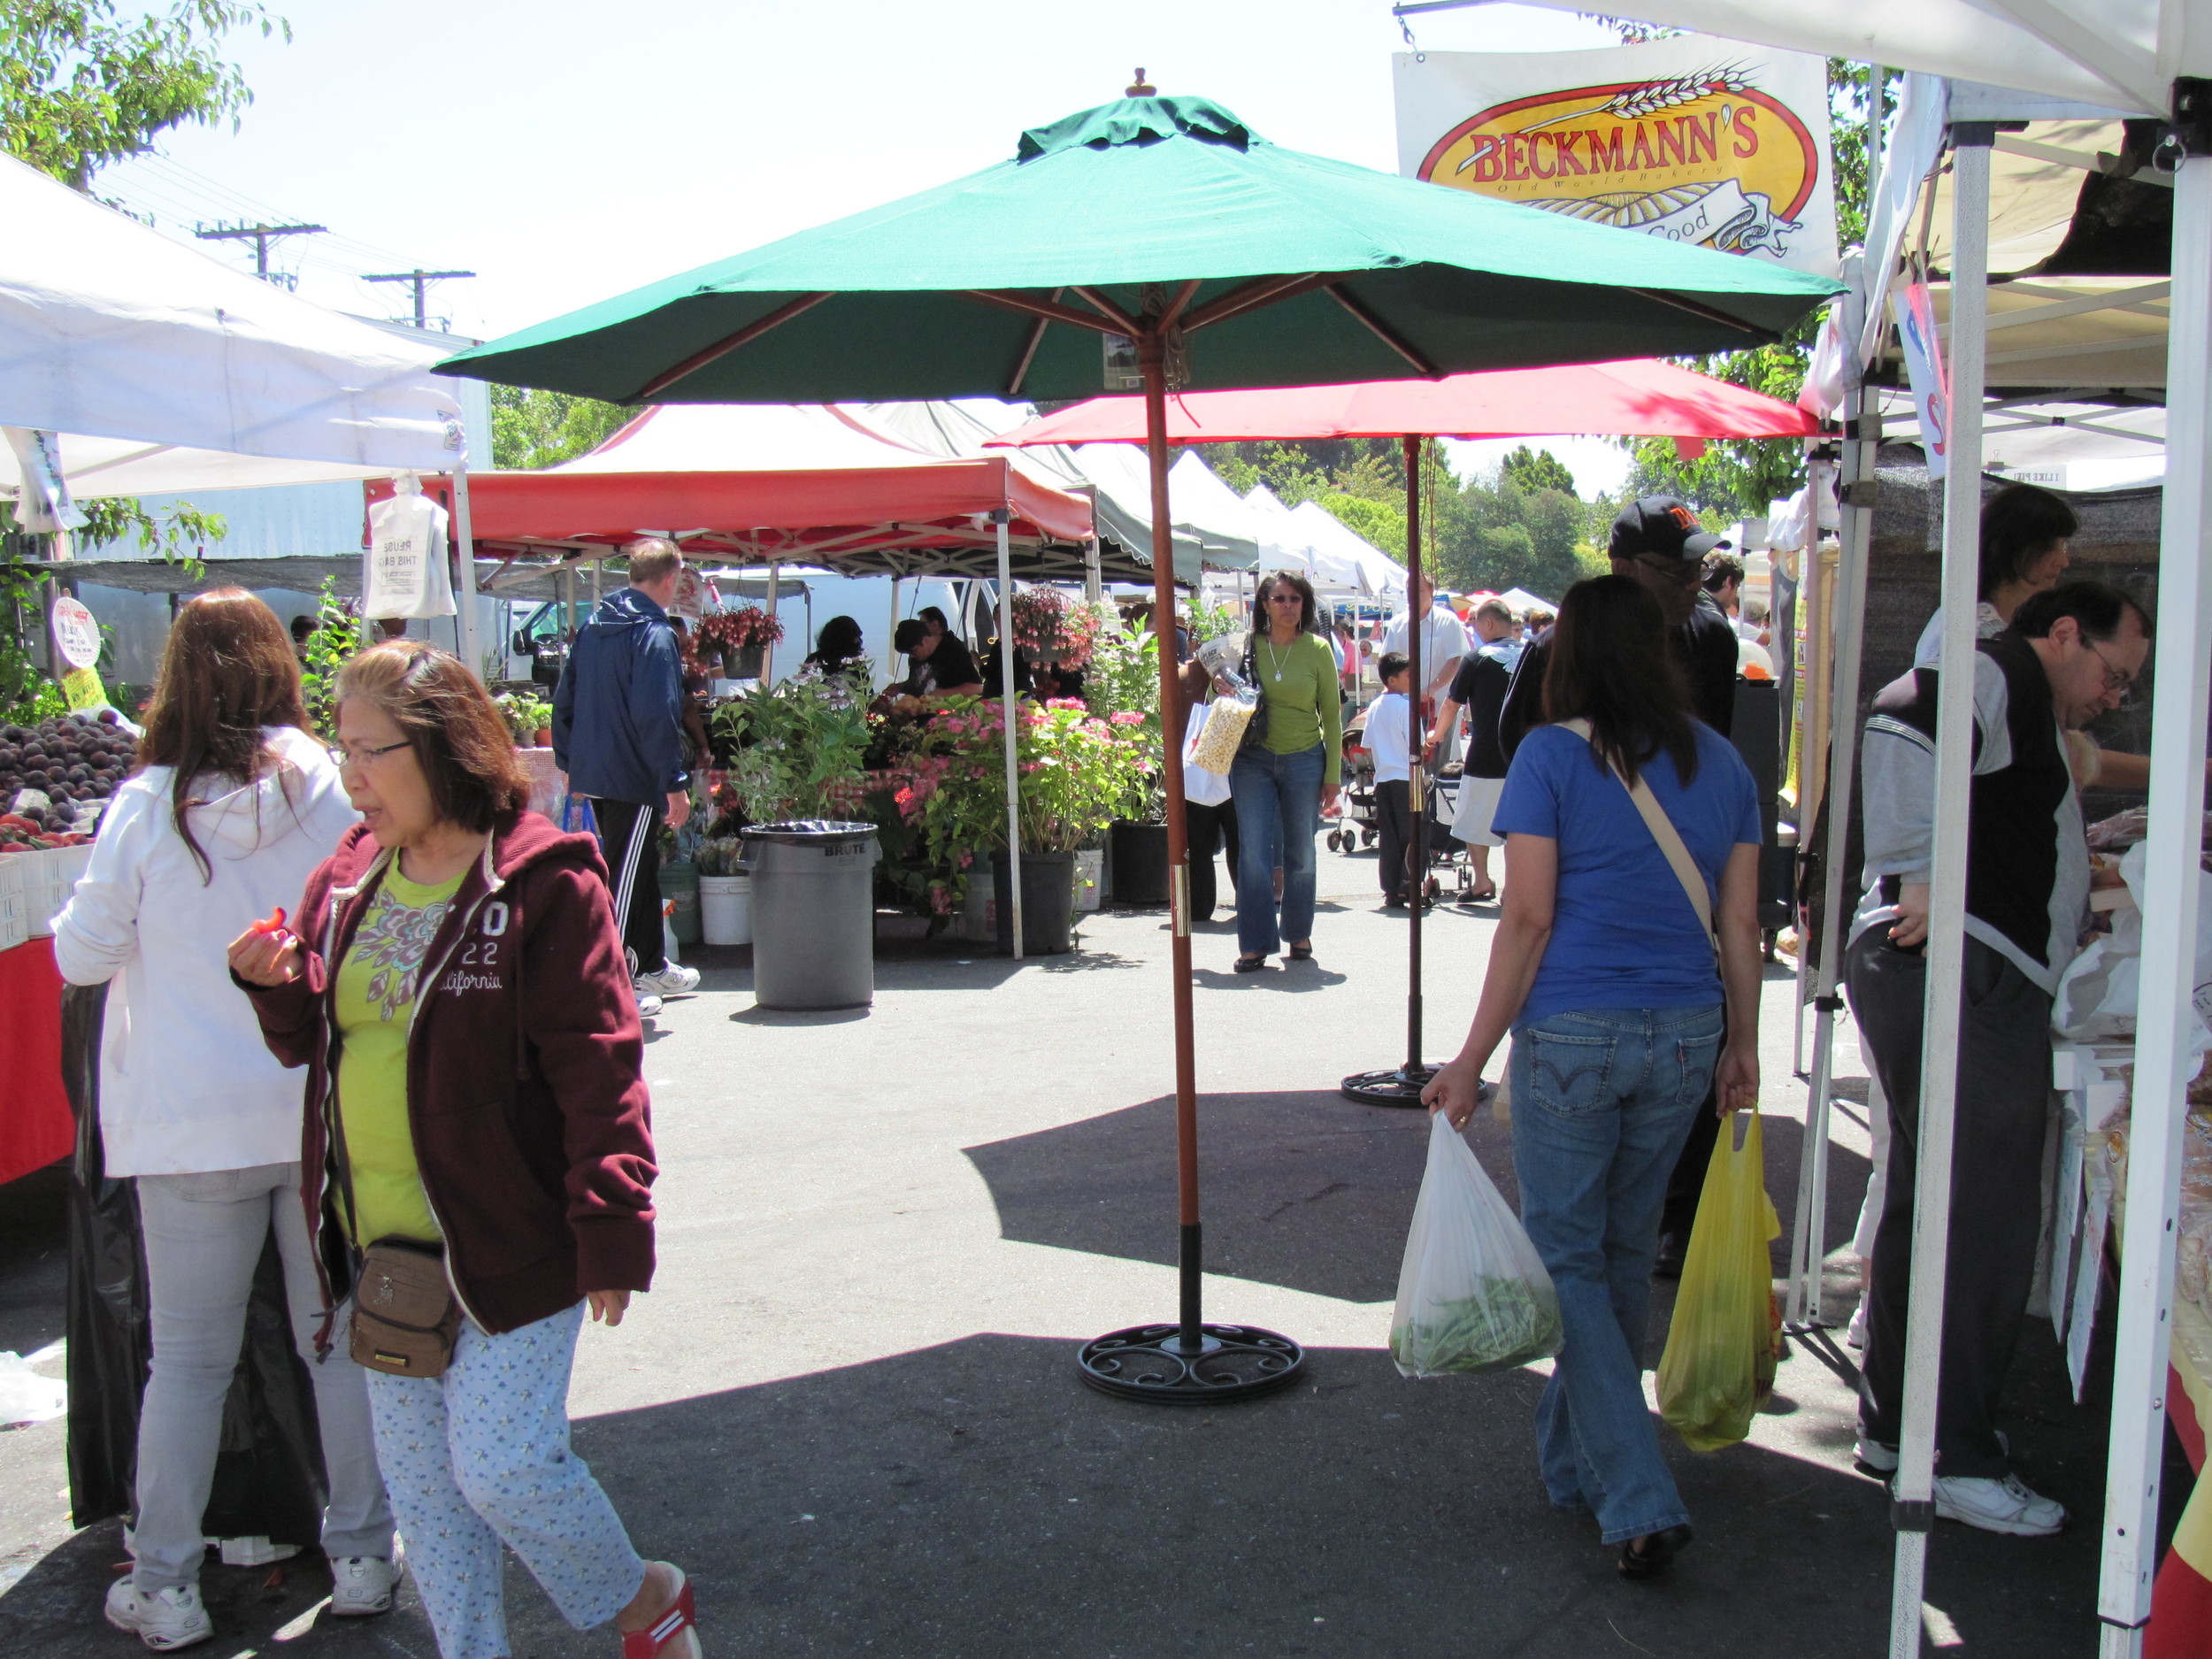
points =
(1641, 398)
(1637, 397)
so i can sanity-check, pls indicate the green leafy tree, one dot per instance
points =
(533, 427)
(1537, 469)
(82, 87)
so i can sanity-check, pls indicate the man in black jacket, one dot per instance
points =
(1658, 542)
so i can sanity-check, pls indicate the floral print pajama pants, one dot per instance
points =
(479, 1456)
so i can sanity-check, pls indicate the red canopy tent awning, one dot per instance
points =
(790, 515)
(1637, 398)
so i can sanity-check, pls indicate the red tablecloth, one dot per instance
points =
(35, 1127)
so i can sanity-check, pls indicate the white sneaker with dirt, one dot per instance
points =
(1998, 1506)
(164, 1620)
(675, 979)
(361, 1585)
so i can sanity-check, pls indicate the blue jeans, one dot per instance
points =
(1279, 807)
(1602, 1099)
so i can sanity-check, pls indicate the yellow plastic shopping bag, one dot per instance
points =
(1726, 1337)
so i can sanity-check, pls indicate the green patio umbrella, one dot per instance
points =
(1160, 238)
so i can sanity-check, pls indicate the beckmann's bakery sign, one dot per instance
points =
(1691, 139)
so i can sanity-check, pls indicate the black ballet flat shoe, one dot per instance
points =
(1301, 953)
(1646, 1557)
(1250, 965)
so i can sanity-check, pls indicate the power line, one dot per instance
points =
(419, 280)
(261, 236)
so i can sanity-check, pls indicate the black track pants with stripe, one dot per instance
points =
(630, 840)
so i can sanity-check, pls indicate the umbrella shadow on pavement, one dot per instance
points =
(1308, 1191)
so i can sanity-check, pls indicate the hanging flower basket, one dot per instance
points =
(1054, 628)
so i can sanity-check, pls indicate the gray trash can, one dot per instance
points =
(813, 912)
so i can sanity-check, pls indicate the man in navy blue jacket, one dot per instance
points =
(618, 732)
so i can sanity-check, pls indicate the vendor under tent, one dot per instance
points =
(1165, 232)
(2009, 61)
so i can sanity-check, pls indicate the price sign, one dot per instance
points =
(76, 635)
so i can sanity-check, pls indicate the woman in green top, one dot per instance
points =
(1281, 784)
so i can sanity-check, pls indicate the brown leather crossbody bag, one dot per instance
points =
(405, 1317)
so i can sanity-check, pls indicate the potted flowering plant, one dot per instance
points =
(793, 751)
(741, 638)
(1054, 628)
(1075, 772)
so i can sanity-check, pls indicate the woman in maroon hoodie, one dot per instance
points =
(455, 983)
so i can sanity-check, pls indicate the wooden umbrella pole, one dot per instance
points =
(1417, 774)
(1152, 355)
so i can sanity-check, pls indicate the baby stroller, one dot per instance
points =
(1357, 828)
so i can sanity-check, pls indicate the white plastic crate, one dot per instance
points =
(50, 876)
(14, 926)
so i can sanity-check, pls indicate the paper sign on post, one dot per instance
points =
(77, 642)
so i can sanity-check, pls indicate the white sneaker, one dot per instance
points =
(648, 1004)
(675, 979)
(1871, 1457)
(361, 1585)
(164, 1620)
(1998, 1506)
(1855, 1333)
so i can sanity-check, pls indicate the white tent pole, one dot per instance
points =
(465, 575)
(890, 633)
(999, 516)
(1808, 1247)
(2164, 1063)
(768, 656)
(1914, 1506)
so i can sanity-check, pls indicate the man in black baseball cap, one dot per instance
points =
(1657, 542)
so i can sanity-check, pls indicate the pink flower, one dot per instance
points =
(1126, 716)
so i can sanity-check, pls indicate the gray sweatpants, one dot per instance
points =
(204, 1235)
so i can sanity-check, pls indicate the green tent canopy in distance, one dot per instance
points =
(948, 293)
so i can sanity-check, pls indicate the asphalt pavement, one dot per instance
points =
(850, 1409)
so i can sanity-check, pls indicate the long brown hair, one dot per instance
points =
(460, 741)
(1609, 665)
(1309, 610)
(227, 671)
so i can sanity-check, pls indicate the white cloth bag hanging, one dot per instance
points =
(405, 572)
(1201, 787)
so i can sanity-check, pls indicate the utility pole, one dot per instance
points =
(419, 280)
(261, 236)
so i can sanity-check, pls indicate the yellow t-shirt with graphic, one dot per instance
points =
(375, 1004)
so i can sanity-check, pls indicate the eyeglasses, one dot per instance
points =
(1681, 573)
(2115, 677)
(343, 757)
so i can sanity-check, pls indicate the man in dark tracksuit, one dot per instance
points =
(618, 734)
(2069, 655)
(1658, 542)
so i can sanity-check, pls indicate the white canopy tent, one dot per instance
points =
(2084, 60)
(1337, 548)
(160, 369)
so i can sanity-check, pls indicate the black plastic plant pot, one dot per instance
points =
(1139, 865)
(1048, 903)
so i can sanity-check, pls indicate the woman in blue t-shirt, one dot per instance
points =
(1608, 981)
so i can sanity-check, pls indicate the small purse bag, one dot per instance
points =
(405, 1315)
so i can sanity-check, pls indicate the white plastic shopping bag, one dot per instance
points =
(1201, 787)
(1473, 1294)
(405, 569)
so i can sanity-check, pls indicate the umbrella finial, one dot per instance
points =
(1141, 88)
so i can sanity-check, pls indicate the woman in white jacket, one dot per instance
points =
(233, 805)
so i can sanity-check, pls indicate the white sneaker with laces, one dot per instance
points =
(648, 1004)
(1998, 1506)
(361, 1585)
(674, 980)
(164, 1620)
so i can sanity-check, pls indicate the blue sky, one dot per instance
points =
(568, 150)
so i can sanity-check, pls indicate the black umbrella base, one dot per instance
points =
(1400, 1086)
(1232, 1362)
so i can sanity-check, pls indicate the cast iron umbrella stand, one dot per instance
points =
(1402, 1085)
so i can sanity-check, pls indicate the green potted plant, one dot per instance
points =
(1124, 678)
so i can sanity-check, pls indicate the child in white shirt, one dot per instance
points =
(1389, 720)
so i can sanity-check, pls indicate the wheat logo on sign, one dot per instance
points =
(1705, 157)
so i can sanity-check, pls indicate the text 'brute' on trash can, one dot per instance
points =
(814, 913)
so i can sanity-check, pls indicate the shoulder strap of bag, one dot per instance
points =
(1670, 840)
